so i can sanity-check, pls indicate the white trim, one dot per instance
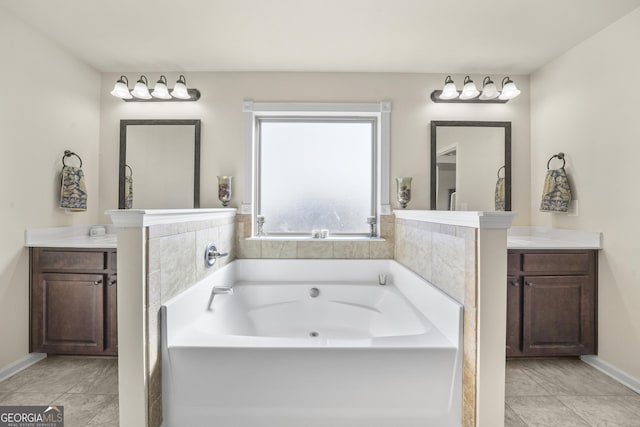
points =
(263, 108)
(385, 154)
(615, 373)
(137, 218)
(482, 220)
(21, 364)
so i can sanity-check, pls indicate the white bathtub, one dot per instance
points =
(270, 354)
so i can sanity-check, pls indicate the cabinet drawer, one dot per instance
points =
(549, 263)
(70, 260)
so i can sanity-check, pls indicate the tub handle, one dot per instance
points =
(211, 255)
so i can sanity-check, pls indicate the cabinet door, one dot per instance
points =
(67, 313)
(111, 317)
(514, 316)
(558, 315)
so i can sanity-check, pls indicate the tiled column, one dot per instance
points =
(465, 255)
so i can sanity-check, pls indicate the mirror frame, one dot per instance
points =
(435, 124)
(165, 122)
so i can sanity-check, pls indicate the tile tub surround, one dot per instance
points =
(161, 254)
(483, 371)
(464, 254)
(308, 248)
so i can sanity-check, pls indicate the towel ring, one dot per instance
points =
(68, 153)
(501, 168)
(559, 156)
(130, 170)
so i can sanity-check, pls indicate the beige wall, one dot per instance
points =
(586, 104)
(50, 102)
(220, 110)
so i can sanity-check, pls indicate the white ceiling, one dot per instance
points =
(440, 36)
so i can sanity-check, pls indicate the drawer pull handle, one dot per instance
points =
(97, 282)
(528, 283)
(516, 284)
(112, 282)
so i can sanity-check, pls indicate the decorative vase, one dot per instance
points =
(404, 190)
(224, 190)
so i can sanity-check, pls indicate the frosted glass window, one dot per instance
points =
(316, 174)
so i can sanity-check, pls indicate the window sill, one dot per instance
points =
(313, 239)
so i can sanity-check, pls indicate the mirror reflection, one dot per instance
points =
(471, 166)
(159, 164)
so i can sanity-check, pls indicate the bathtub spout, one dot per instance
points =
(218, 290)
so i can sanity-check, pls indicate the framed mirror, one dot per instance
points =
(159, 165)
(470, 165)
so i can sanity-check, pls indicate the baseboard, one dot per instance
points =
(613, 372)
(20, 364)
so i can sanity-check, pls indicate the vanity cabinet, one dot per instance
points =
(73, 301)
(551, 303)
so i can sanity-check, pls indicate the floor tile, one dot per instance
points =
(544, 411)
(80, 409)
(511, 419)
(100, 377)
(107, 416)
(606, 411)
(519, 383)
(29, 398)
(562, 377)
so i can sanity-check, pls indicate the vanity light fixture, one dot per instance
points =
(470, 93)
(449, 91)
(141, 90)
(121, 88)
(489, 89)
(161, 93)
(180, 89)
(509, 89)
(160, 90)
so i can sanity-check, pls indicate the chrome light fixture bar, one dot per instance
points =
(470, 93)
(140, 92)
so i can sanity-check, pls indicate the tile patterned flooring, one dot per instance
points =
(566, 393)
(87, 387)
(539, 393)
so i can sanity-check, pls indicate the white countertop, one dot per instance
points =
(552, 238)
(70, 237)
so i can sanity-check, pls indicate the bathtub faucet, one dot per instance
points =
(218, 290)
(211, 255)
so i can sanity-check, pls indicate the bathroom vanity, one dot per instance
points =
(552, 293)
(73, 294)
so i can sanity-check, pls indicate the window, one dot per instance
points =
(315, 169)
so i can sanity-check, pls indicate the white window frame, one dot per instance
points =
(252, 111)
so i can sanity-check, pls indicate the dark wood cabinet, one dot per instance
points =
(551, 303)
(73, 301)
